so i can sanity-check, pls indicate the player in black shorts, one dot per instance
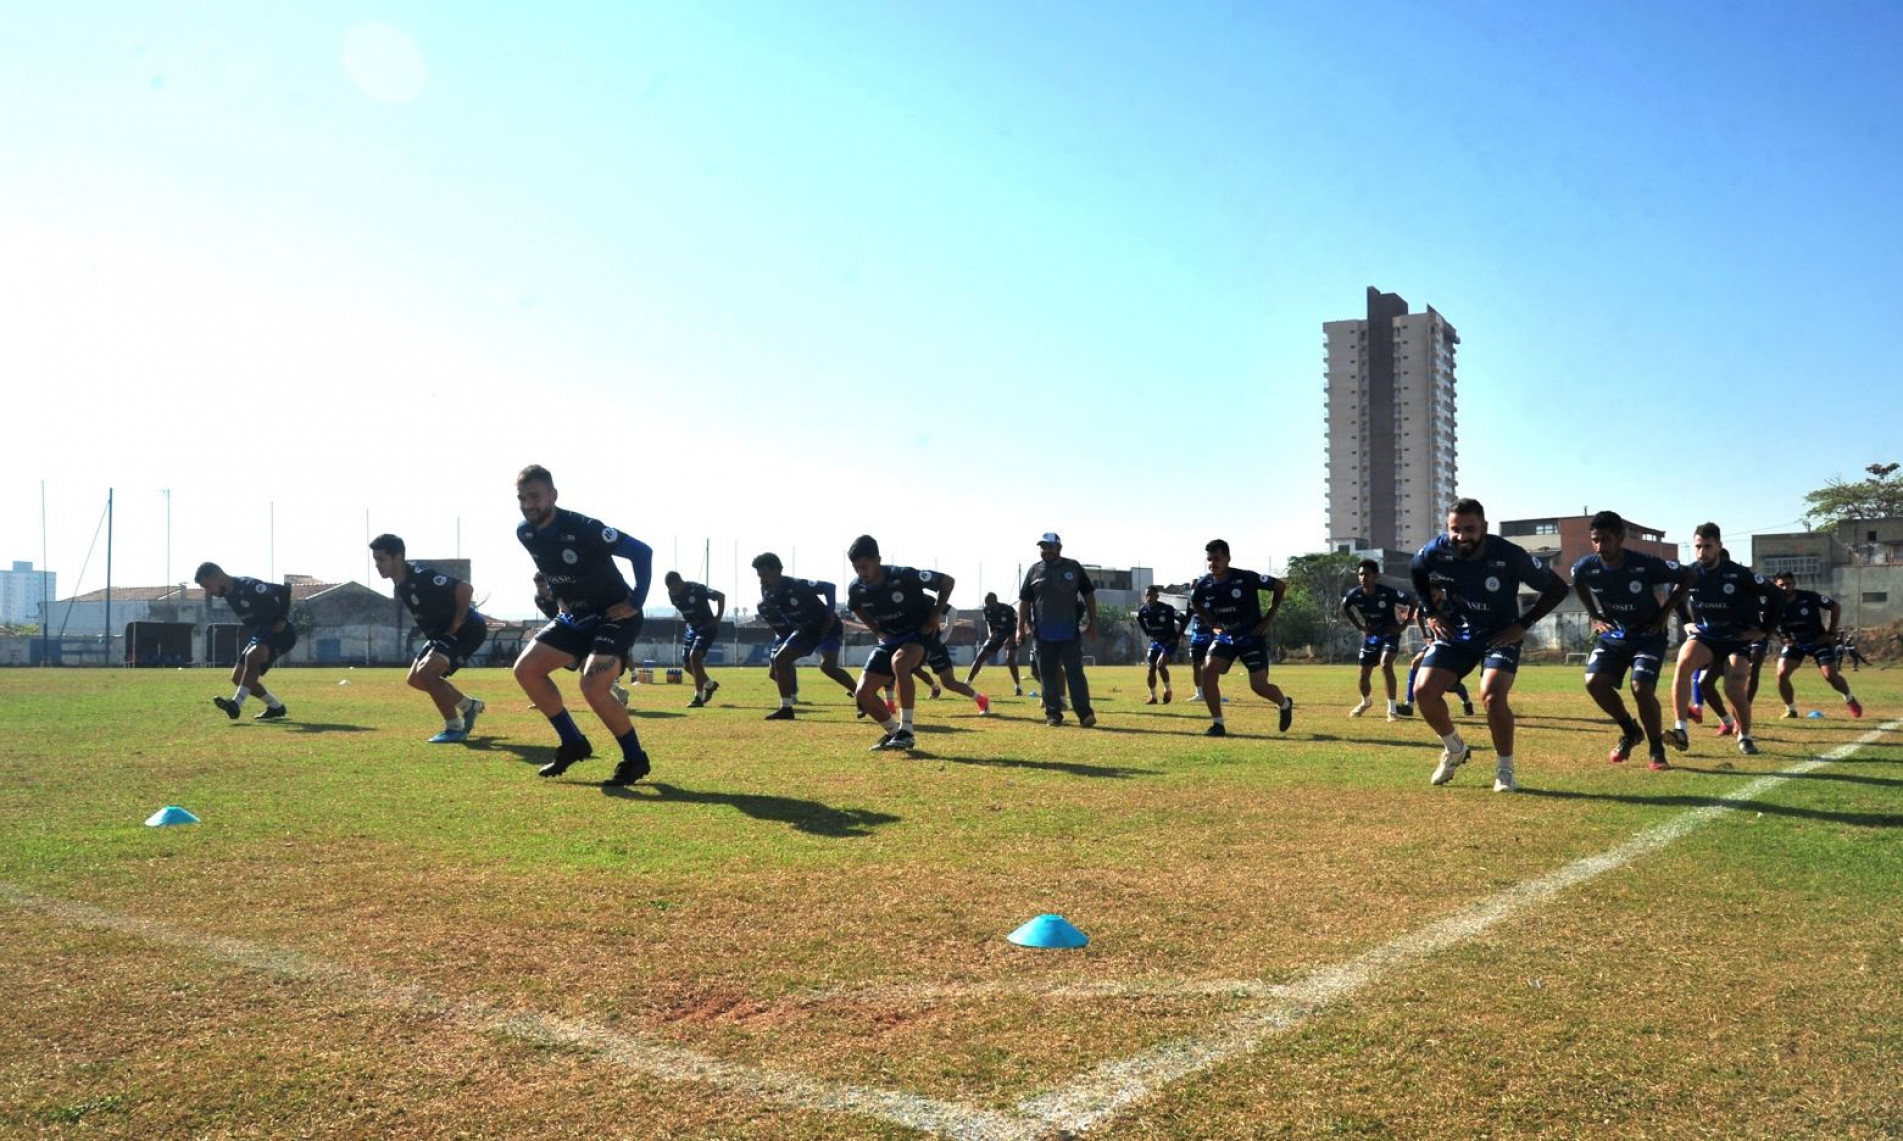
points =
(597, 620)
(902, 607)
(1164, 627)
(1001, 633)
(1808, 628)
(1380, 613)
(701, 609)
(264, 609)
(452, 632)
(807, 611)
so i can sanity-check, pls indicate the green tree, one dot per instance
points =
(1878, 497)
(1322, 579)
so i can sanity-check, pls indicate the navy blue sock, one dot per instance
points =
(630, 744)
(1411, 671)
(565, 729)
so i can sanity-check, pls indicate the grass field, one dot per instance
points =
(781, 935)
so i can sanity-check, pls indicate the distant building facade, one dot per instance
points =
(22, 590)
(1391, 426)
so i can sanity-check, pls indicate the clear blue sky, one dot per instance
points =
(758, 276)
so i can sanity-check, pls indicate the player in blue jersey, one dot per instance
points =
(1730, 608)
(451, 628)
(264, 611)
(1164, 627)
(545, 602)
(1475, 580)
(807, 609)
(902, 607)
(1229, 599)
(1807, 625)
(598, 617)
(701, 609)
(1619, 589)
(1201, 636)
(1001, 633)
(1380, 613)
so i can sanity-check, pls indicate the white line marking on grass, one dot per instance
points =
(1103, 1092)
(1087, 1102)
(642, 1055)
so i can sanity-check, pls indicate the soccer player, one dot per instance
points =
(1202, 635)
(452, 631)
(1228, 598)
(1049, 601)
(1805, 633)
(938, 659)
(597, 620)
(1380, 612)
(1730, 608)
(1001, 633)
(701, 609)
(1475, 579)
(807, 609)
(1620, 591)
(264, 610)
(898, 606)
(1164, 625)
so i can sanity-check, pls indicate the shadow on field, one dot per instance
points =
(1074, 768)
(809, 816)
(1426, 741)
(650, 714)
(537, 755)
(289, 726)
(1846, 778)
(1860, 819)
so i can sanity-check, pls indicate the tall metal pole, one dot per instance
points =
(46, 602)
(109, 576)
(167, 492)
(273, 563)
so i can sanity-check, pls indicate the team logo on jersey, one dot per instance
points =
(1069, 576)
(1537, 564)
(1635, 586)
(1803, 610)
(1235, 592)
(925, 576)
(1730, 588)
(439, 580)
(898, 596)
(1672, 563)
(610, 536)
(260, 588)
(1493, 583)
(569, 556)
(1758, 578)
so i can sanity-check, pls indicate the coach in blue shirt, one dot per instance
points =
(1047, 605)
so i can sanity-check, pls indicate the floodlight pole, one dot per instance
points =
(108, 623)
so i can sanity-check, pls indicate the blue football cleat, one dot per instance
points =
(450, 737)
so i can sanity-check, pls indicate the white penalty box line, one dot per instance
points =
(1088, 1101)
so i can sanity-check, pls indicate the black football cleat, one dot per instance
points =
(229, 706)
(630, 769)
(785, 713)
(566, 756)
(1216, 731)
(272, 713)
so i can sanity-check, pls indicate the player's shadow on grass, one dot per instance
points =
(1073, 768)
(537, 755)
(1416, 743)
(1845, 778)
(809, 816)
(1860, 819)
(320, 727)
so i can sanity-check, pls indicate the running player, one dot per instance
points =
(264, 611)
(597, 620)
(1164, 626)
(1620, 591)
(701, 609)
(898, 606)
(1805, 633)
(1380, 612)
(1458, 689)
(1001, 633)
(452, 632)
(1229, 599)
(1730, 608)
(812, 626)
(1475, 579)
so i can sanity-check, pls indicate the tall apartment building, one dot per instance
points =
(21, 590)
(1391, 459)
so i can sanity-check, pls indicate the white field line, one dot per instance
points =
(1099, 1094)
(643, 1055)
(1089, 1101)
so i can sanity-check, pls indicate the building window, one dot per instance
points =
(1876, 596)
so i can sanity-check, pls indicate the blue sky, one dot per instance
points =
(765, 276)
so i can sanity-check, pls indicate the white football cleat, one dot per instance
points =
(1362, 708)
(1449, 761)
(1503, 776)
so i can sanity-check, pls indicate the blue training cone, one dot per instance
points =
(169, 815)
(1048, 931)
(1816, 713)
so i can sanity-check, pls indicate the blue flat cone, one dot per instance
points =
(170, 814)
(1048, 931)
(1817, 713)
